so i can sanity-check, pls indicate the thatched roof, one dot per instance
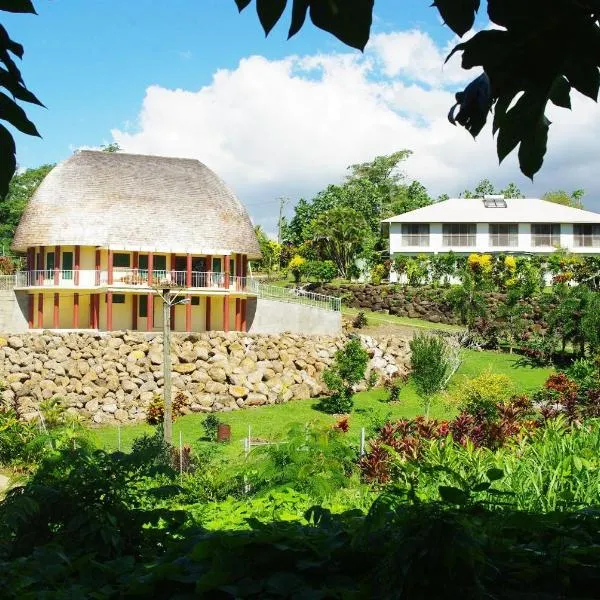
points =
(136, 202)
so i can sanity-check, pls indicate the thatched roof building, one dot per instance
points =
(139, 203)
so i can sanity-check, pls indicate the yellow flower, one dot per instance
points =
(510, 263)
(296, 262)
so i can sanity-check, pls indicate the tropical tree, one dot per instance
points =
(270, 251)
(341, 233)
(574, 199)
(486, 188)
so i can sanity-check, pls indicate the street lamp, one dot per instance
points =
(170, 297)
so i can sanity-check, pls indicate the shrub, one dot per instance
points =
(211, 425)
(156, 411)
(348, 368)
(393, 386)
(320, 270)
(481, 394)
(430, 366)
(296, 266)
(15, 437)
(377, 274)
(360, 320)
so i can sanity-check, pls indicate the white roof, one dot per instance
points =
(518, 210)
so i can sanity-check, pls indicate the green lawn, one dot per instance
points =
(272, 422)
(380, 318)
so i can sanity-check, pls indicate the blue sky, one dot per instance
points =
(272, 117)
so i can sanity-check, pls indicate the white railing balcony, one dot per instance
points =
(122, 277)
(57, 278)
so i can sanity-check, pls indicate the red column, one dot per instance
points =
(208, 270)
(238, 314)
(41, 265)
(188, 315)
(40, 311)
(244, 303)
(110, 267)
(238, 270)
(95, 301)
(56, 265)
(77, 265)
(134, 307)
(150, 268)
(227, 265)
(30, 309)
(136, 260)
(208, 313)
(225, 313)
(97, 266)
(75, 310)
(172, 313)
(55, 316)
(109, 311)
(188, 270)
(245, 266)
(150, 318)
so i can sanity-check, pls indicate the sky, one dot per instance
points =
(274, 118)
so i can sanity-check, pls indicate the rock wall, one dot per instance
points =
(113, 377)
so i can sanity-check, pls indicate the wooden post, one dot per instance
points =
(238, 314)
(188, 314)
(227, 263)
(56, 314)
(168, 420)
(77, 265)
(150, 317)
(244, 305)
(188, 270)
(150, 267)
(56, 265)
(225, 313)
(134, 311)
(208, 313)
(97, 266)
(75, 310)
(111, 257)
(30, 309)
(40, 311)
(109, 310)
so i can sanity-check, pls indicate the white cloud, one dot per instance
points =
(289, 127)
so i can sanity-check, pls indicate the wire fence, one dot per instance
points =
(7, 282)
(295, 296)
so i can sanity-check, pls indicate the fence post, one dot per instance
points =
(119, 436)
(362, 441)
(180, 455)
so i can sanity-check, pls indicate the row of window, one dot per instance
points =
(500, 234)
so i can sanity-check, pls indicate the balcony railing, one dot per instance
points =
(125, 278)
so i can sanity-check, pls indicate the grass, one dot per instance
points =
(378, 318)
(272, 422)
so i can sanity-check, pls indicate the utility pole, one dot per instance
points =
(282, 202)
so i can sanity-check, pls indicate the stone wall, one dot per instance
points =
(113, 377)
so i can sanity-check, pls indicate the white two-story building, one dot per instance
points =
(494, 224)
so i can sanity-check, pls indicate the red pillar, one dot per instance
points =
(208, 270)
(109, 311)
(245, 266)
(75, 310)
(56, 265)
(41, 265)
(150, 268)
(208, 313)
(238, 270)
(30, 309)
(77, 265)
(150, 318)
(188, 270)
(238, 314)
(188, 315)
(97, 266)
(110, 267)
(227, 265)
(95, 307)
(56, 314)
(225, 313)
(244, 303)
(134, 308)
(40, 311)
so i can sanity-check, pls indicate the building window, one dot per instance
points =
(232, 267)
(118, 298)
(586, 235)
(216, 265)
(504, 234)
(50, 261)
(67, 265)
(545, 234)
(160, 265)
(195, 300)
(143, 306)
(415, 234)
(459, 234)
(121, 260)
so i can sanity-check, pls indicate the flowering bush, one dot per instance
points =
(480, 263)
(510, 263)
(295, 266)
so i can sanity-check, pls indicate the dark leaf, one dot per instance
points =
(459, 15)
(348, 20)
(8, 44)
(17, 6)
(494, 474)
(500, 111)
(299, 9)
(474, 103)
(584, 77)
(453, 495)
(8, 162)
(10, 111)
(16, 88)
(269, 12)
(533, 147)
(241, 4)
(481, 487)
(482, 49)
(560, 92)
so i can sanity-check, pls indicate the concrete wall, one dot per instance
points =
(13, 311)
(274, 316)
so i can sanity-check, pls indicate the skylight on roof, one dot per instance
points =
(494, 202)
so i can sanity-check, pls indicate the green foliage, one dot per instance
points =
(573, 199)
(360, 320)
(270, 250)
(377, 274)
(393, 386)
(348, 369)
(320, 270)
(211, 425)
(481, 394)
(15, 437)
(486, 188)
(430, 366)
